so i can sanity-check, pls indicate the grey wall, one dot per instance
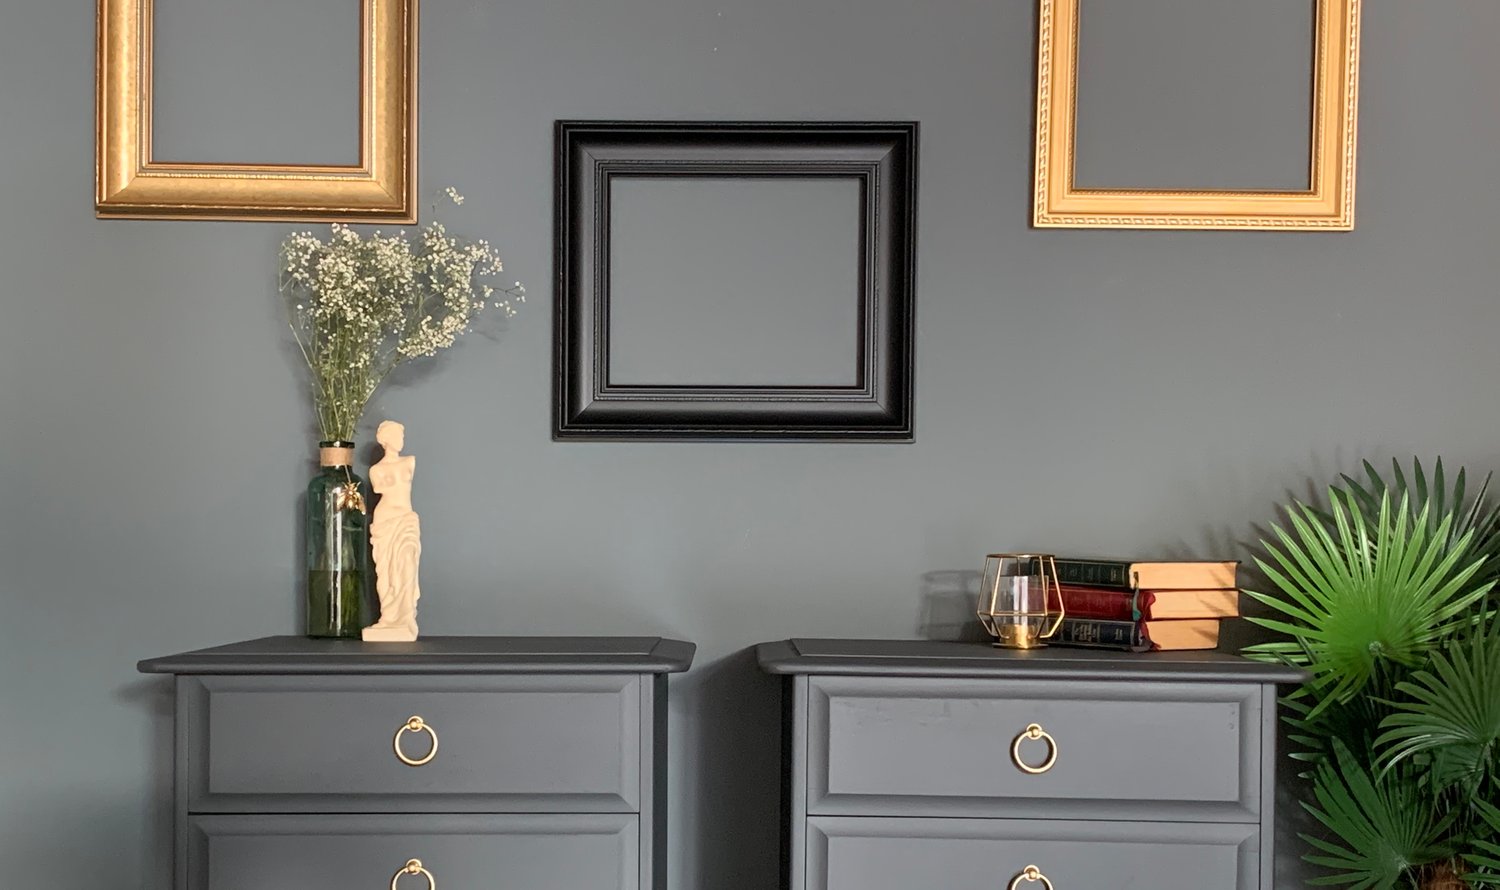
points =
(153, 434)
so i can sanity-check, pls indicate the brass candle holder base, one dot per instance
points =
(1015, 599)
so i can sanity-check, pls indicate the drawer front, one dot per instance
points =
(944, 747)
(360, 852)
(847, 853)
(328, 744)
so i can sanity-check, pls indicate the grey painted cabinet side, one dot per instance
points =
(1268, 786)
(653, 789)
(794, 791)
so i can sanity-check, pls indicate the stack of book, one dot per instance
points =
(1145, 606)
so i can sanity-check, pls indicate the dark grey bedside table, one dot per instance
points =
(921, 764)
(451, 761)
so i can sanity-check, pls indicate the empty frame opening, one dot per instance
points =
(268, 82)
(734, 281)
(1195, 95)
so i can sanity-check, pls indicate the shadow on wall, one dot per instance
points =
(160, 700)
(948, 599)
(739, 783)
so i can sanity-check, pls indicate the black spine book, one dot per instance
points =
(1092, 633)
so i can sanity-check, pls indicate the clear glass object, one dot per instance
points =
(338, 546)
(1019, 602)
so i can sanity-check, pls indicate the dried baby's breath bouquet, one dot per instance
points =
(359, 306)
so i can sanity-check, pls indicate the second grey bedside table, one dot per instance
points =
(453, 761)
(921, 764)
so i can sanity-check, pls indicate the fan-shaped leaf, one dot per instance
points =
(1357, 595)
(1471, 514)
(1484, 852)
(1451, 710)
(1380, 827)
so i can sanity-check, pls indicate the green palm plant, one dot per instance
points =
(1382, 597)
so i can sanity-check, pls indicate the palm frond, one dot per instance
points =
(1450, 711)
(1474, 514)
(1354, 722)
(1381, 828)
(1354, 595)
(1484, 850)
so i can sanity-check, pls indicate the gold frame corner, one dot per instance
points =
(130, 184)
(1328, 205)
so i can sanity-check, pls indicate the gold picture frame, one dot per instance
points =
(1328, 204)
(130, 183)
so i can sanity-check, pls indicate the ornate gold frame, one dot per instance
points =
(129, 183)
(1327, 205)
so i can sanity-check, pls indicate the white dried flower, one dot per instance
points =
(359, 306)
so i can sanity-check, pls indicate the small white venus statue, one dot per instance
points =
(395, 539)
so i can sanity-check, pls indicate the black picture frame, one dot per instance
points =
(590, 155)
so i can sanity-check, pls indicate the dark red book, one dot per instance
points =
(1108, 604)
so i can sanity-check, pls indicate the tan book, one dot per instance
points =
(1168, 636)
(1138, 636)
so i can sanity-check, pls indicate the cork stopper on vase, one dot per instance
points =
(335, 454)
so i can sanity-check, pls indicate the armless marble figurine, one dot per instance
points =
(395, 538)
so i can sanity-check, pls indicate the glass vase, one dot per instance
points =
(338, 546)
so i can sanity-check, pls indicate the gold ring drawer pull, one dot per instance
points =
(1031, 874)
(415, 724)
(1034, 732)
(414, 867)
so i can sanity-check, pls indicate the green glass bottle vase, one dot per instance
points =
(338, 546)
